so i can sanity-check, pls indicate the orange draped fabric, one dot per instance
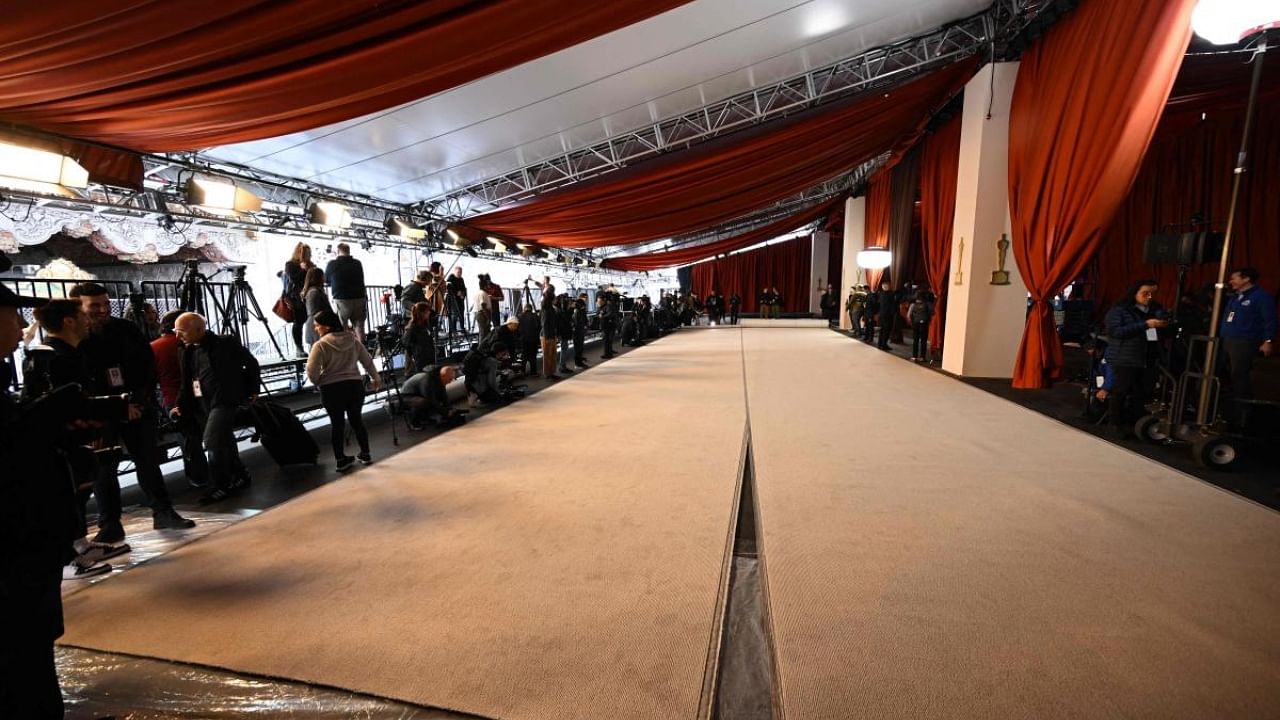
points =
(879, 199)
(725, 178)
(1189, 171)
(682, 256)
(1085, 107)
(159, 75)
(939, 170)
(784, 265)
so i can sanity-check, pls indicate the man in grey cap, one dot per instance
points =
(37, 525)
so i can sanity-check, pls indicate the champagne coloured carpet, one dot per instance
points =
(565, 557)
(932, 551)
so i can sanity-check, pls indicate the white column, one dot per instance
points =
(855, 230)
(984, 321)
(819, 255)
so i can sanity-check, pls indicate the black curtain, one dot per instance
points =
(904, 182)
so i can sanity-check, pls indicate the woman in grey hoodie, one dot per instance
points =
(333, 366)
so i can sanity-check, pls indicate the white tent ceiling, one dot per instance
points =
(675, 62)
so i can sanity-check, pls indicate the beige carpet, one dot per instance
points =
(560, 558)
(931, 551)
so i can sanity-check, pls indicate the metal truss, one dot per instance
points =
(848, 182)
(982, 33)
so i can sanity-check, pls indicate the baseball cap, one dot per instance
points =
(9, 298)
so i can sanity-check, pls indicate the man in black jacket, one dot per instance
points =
(550, 331)
(218, 376)
(121, 360)
(345, 277)
(887, 308)
(608, 311)
(735, 302)
(456, 302)
(580, 330)
(37, 525)
(828, 304)
(530, 327)
(1133, 348)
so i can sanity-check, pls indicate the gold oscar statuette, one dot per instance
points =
(1000, 276)
(960, 264)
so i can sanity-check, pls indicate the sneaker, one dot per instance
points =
(112, 534)
(198, 482)
(240, 483)
(216, 495)
(345, 462)
(97, 552)
(78, 570)
(582, 365)
(169, 519)
(564, 371)
(553, 378)
(365, 458)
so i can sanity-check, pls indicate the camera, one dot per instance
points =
(69, 403)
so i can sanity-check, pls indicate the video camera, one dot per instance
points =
(68, 404)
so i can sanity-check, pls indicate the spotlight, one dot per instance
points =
(220, 196)
(366, 244)
(20, 165)
(401, 228)
(331, 215)
(167, 223)
(873, 258)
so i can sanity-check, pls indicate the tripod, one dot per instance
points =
(241, 306)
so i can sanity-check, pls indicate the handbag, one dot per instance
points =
(284, 308)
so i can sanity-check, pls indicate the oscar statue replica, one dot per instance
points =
(1000, 276)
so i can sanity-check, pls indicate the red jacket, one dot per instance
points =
(168, 352)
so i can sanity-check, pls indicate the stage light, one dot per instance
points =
(1227, 22)
(401, 228)
(366, 244)
(331, 215)
(873, 258)
(20, 166)
(220, 196)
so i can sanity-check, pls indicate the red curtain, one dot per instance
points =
(157, 75)
(683, 256)
(784, 265)
(722, 179)
(939, 170)
(1189, 171)
(876, 228)
(1085, 107)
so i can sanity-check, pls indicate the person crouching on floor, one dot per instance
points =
(334, 366)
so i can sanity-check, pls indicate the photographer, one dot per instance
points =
(37, 527)
(419, 341)
(218, 376)
(480, 370)
(580, 331)
(1133, 334)
(56, 363)
(456, 286)
(481, 301)
(608, 312)
(550, 331)
(530, 327)
(121, 360)
(426, 398)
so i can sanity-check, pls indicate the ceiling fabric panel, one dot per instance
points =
(729, 177)
(685, 255)
(156, 75)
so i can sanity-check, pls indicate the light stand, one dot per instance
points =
(1211, 346)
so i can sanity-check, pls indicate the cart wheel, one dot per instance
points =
(1215, 451)
(1148, 428)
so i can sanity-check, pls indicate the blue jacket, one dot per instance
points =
(1251, 315)
(1127, 344)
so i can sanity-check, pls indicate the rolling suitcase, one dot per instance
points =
(283, 435)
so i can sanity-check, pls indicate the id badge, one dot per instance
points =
(195, 388)
(1100, 380)
(1153, 335)
(115, 378)
(1231, 316)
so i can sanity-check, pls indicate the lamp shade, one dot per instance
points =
(1227, 22)
(874, 258)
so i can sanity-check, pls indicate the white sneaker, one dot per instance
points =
(80, 570)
